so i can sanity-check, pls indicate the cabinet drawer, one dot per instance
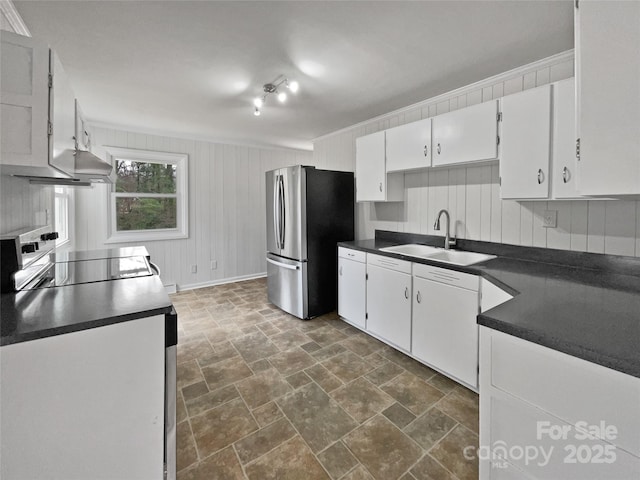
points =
(356, 255)
(444, 275)
(388, 262)
(567, 387)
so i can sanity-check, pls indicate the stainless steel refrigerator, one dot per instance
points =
(308, 212)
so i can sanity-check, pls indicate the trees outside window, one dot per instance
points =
(148, 200)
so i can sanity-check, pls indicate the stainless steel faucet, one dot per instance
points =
(448, 242)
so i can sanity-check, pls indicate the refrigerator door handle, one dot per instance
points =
(283, 265)
(283, 212)
(276, 210)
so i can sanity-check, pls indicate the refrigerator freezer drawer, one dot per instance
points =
(287, 285)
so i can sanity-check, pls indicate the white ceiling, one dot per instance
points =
(192, 68)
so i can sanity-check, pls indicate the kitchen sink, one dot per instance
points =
(412, 249)
(454, 257)
(457, 257)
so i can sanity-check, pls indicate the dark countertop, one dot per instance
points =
(590, 313)
(30, 315)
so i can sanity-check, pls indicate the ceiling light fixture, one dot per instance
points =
(275, 87)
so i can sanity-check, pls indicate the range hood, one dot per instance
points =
(89, 169)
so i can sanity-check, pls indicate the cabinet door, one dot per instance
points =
(63, 117)
(409, 146)
(525, 140)
(371, 175)
(352, 285)
(24, 100)
(608, 73)
(564, 140)
(444, 329)
(389, 306)
(466, 135)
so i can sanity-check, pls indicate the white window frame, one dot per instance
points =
(181, 195)
(62, 198)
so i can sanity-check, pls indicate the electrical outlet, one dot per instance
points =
(550, 219)
(214, 264)
(194, 269)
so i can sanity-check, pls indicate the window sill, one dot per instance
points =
(145, 237)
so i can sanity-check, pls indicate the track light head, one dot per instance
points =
(274, 87)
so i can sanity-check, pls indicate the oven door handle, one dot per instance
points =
(155, 268)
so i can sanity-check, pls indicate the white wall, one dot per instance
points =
(226, 207)
(471, 194)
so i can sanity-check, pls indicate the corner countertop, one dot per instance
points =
(35, 314)
(588, 313)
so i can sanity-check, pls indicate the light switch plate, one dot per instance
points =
(550, 219)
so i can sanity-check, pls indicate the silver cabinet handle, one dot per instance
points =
(426, 150)
(406, 292)
(380, 186)
(540, 176)
(419, 297)
(565, 174)
(439, 149)
(341, 271)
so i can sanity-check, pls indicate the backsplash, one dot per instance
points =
(23, 204)
(472, 193)
(472, 196)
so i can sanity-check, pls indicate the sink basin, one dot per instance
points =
(454, 257)
(412, 249)
(457, 257)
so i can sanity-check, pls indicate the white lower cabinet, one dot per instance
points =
(444, 328)
(352, 286)
(389, 300)
(87, 404)
(572, 418)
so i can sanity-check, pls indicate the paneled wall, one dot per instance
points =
(472, 195)
(226, 208)
(23, 205)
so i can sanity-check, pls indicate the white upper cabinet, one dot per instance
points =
(38, 110)
(608, 94)
(409, 146)
(372, 182)
(25, 100)
(63, 119)
(466, 135)
(564, 160)
(525, 144)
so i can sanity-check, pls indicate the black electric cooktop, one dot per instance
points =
(90, 271)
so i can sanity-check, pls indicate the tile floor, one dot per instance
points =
(264, 395)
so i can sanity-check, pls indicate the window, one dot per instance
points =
(61, 214)
(149, 199)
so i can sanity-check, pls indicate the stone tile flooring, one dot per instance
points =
(263, 395)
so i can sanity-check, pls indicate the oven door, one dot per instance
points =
(287, 285)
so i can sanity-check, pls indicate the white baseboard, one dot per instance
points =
(242, 278)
